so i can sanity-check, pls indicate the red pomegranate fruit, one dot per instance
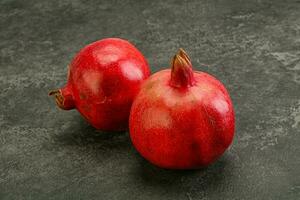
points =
(181, 119)
(103, 79)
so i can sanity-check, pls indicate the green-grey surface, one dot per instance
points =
(253, 47)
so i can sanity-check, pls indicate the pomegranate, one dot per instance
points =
(181, 119)
(103, 79)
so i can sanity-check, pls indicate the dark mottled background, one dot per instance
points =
(253, 47)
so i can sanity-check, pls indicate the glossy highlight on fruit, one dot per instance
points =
(103, 79)
(182, 119)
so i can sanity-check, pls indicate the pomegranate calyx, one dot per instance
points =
(63, 99)
(181, 70)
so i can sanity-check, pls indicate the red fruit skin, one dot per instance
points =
(104, 78)
(182, 128)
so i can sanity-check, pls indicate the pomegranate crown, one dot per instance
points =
(182, 75)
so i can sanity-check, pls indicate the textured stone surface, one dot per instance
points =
(253, 47)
